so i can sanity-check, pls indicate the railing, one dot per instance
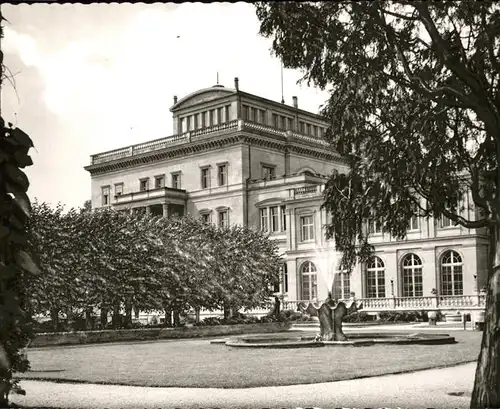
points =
(163, 143)
(306, 190)
(449, 302)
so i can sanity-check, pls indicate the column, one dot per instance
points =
(293, 290)
(293, 234)
(165, 209)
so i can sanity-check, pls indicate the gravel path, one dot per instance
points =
(423, 389)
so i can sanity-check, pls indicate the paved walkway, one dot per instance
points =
(422, 389)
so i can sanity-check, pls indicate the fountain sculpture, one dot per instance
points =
(330, 315)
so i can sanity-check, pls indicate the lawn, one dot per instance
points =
(197, 363)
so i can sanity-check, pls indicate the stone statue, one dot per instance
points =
(330, 316)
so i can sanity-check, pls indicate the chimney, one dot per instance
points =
(175, 99)
(295, 102)
(236, 83)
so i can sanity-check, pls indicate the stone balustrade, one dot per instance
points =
(187, 137)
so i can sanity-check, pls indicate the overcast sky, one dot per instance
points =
(91, 78)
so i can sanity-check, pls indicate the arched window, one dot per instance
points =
(375, 278)
(341, 284)
(309, 281)
(451, 274)
(412, 276)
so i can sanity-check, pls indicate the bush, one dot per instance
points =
(360, 316)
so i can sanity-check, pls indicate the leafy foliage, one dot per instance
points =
(415, 110)
(114, 260)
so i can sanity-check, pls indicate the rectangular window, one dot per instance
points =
(220, 120)
(211, 117)
(188, 123)
(445, 222)
(119, 189)
(274, 218)
(263, 219)
(105, 196)
(306, 228)
(268, 172)
(275, 121)
(285, 278)
(246, 113)
(315, 130)
(205, 181)
(223, 219)
(413, 224)
(176, 180)
(308, 129)
(222, 174)
(195, 120)
(144, 185)
(203, 119)
(159, 182)
(254, 114)
(283, 122)
(283, 218)
(302, 127)
(289, 125)
(375, 227)
(205, 217)
(226, 108)
(183, 125)
(262, 117)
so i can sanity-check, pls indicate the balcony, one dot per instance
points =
(173, 195)
(199, 134)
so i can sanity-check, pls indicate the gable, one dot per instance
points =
(202, 96)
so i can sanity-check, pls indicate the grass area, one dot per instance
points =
(197, 363)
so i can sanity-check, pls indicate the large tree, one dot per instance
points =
(415, 108)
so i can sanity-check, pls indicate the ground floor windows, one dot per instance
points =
(451, 273)
(308, 275)
(412, 276)
(341, 284)
(375, 278)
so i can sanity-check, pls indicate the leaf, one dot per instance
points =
(22, 138)
(26, 263)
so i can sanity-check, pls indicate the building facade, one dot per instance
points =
(236, 158)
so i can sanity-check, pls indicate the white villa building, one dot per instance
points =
(234, 157)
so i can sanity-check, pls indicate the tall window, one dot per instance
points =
(413, 224)
(451, 274)
(254, 114)
(205, 217)
(222, 174)
(226, 111)
(188, 123)
(159, 182)
(144, 185)
(262, 116)
(211, 117)
(342, 284)
(195, 121)
(176, 180)
(375, 227)
(306, 228)
(268, 172)
(274, 218)
(119, 189)
(309, 281)
(289, 125)
(105, 196)
(375, 278)
(412, 276)
(220, 119)
(283, 122)
(445, 222)
(223, 218)
(302, 127)
(263, 219)
(205, 178)
(246, 113)
(276, 123)
(283, 218)
(285, 278)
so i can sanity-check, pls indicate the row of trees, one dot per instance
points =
(113, 261)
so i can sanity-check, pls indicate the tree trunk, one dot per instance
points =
(54, 316)
(128, 315)
(104, 317)
(177, 318)
(486, 392)
(89, 322)
(115, 319)
(197, 315)
(168, 317)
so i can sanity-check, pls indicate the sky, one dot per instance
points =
(91, 78)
